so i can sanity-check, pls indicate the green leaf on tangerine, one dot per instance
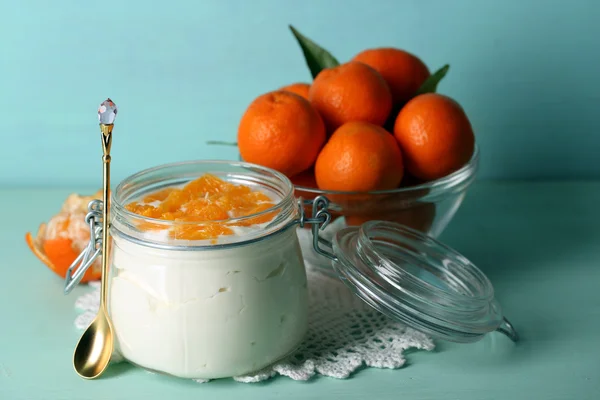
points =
(430, 85)
(317, 58)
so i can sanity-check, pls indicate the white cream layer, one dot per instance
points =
(209, 314)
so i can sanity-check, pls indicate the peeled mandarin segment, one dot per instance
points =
(228, 203)
(206, 184)
(199, 232)
(259, 219)
(171, 216)
(174, 201)
(241, 202)
(205, 199)
(238, 190)
(158, 196)
(258, 197)
(58, 226)
(144, 210)
(206, 212)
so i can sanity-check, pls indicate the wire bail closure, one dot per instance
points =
(93, 249)
(321, 217)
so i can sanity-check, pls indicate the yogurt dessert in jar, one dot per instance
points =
(207, 278)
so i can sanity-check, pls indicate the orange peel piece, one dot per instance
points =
(60, 258)
(58, 242)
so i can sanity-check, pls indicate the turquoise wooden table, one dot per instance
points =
(538, 242)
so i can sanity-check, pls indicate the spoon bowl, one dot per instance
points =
(94, 349)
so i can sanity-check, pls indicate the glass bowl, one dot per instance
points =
(426, 207)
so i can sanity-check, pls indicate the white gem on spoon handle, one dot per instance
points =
(107, 112)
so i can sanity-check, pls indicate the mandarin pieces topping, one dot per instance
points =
(209, 201)
(107, 112)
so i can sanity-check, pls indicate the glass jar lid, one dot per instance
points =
(419, 281)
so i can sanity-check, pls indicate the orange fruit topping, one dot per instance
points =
(158, 196)
(351, 92)
(281, 130)
(301, 89)
(403, 72)
(210, 202)
(200, 232)
(359, 157)
(435, 136)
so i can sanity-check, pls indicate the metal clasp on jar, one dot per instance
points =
(92, 251)
(321, 217)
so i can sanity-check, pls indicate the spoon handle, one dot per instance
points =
(106, 130)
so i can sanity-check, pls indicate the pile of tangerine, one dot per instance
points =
(212, 204)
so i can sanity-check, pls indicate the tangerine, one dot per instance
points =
(351, 92)
(360, 157)
(435, 136)
(301, 89)
(305, 179)
(281, 130)
(403, 72)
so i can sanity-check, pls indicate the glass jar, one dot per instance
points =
(198, 309)
(210, 310)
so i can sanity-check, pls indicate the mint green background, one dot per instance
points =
(183, 72)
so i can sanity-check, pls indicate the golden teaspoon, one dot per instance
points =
(95, 347)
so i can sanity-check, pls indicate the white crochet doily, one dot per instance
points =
(343, 334)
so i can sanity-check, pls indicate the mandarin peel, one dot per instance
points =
(59, 241)
(58, 255)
